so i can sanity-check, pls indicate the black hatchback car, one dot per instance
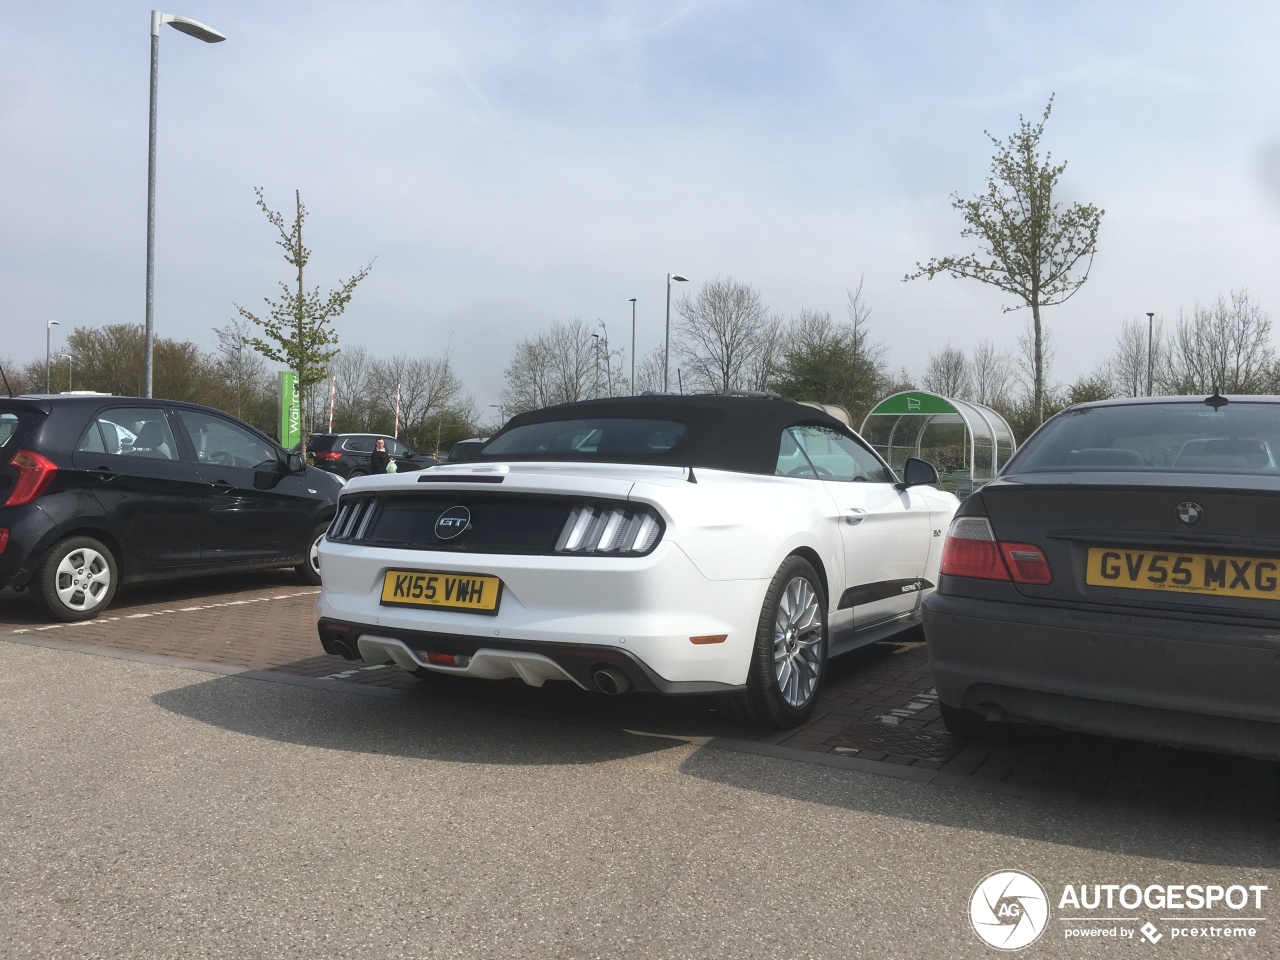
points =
(347, 454)
(98, 491)
(1121, 576)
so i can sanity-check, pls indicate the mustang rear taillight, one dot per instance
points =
(972, 550)
(617, 529)
(35, 473)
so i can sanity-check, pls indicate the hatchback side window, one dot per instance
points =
(131, 432)
(222, 442)
(837, 457)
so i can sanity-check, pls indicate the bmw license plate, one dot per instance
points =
(1203, 573)
(445, 591)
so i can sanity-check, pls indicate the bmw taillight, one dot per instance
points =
(35, 473)
(616, 529)
(972, 550)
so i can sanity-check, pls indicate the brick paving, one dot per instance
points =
(266, 622)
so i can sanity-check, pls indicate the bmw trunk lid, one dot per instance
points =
(1196, 543)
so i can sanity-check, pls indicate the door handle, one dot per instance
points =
(101, 473)
(855, 516)
(222, 486)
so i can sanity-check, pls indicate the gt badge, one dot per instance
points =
(1189, 513)
(453, 523)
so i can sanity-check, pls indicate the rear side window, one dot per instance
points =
(130, 432)
(1239, 438)
(358, 444)
(14, 426)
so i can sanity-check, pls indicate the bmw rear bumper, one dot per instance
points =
(1208, 686)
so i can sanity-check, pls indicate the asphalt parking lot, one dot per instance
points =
(878, 712)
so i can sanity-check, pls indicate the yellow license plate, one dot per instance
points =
(445, 591)
(1203, 573)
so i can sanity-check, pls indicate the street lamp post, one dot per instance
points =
(596, 352)
(502, 412)
(666, 340)
(1151, 318)
(604, 357)
(48, 353)
(633, 346)
(67, 357)
(198, 30)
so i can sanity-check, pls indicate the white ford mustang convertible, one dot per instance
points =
(701, 544)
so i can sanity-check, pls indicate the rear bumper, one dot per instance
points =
(1178, 682)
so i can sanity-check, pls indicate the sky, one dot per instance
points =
(506, 164)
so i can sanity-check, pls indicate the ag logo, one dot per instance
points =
(1009, 910)
(453, 523)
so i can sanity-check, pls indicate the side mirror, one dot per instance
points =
(296, 464)
(917, 473)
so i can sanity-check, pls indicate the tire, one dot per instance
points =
(357, 473)
(309, 568)
(964, 724)
(789, 660)
(77, 579)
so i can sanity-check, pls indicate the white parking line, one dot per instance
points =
(160, 613)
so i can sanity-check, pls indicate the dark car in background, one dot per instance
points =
(99, 491)
(1121, 576)
(347, 454)
(464, 451)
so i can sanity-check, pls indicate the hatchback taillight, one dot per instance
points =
(35, 473)
(972, 550)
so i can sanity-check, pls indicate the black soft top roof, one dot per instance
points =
(724, 432)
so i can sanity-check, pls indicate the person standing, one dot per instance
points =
(379, 459)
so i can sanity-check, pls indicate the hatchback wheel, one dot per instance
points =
(77, 579)
(789, 660)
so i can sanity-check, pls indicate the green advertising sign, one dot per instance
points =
(915, 401)
(290, 410)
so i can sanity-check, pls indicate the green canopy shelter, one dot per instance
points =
(968, 442)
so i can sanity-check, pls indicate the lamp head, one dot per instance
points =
(676, 277)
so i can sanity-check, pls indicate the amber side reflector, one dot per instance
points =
(718, 638)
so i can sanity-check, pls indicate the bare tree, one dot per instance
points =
(724, 336)
(1223, 346)
(240, 366)
(421, 385)
(990, 372)
(559, 366)
(1028, 247)
(649, 371)
(947, 373)
(1127, 365)
(1035, 356)
(352, 383)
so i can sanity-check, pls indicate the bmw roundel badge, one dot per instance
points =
(1190, 513)
(456, 521)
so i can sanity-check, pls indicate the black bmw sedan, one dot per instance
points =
(1121, 577)
(97, 491)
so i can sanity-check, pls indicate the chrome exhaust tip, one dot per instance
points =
(610, 680)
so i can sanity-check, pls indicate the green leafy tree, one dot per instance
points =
(298, 328)
(833, 363)
(1029, 246)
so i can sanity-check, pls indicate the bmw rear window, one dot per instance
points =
(625, 440)
(1238, 438)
